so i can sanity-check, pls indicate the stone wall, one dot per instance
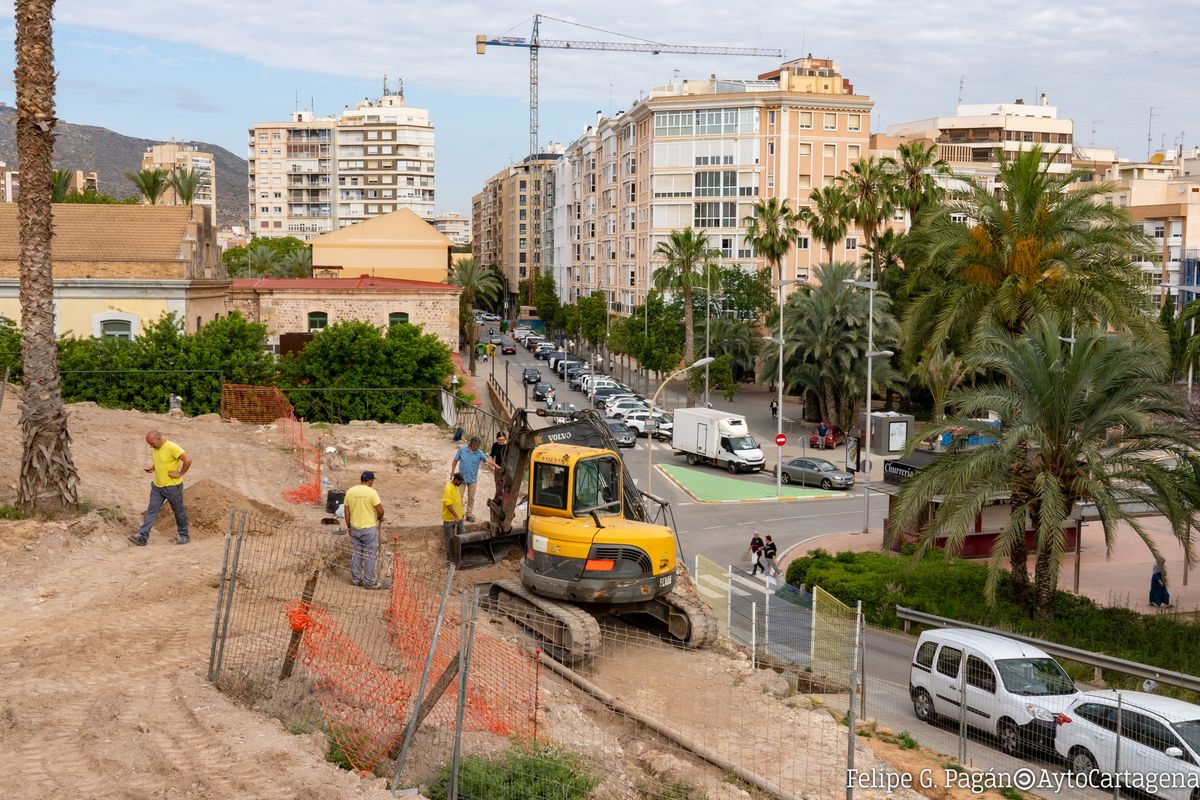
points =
(286, 311)
(168, 270)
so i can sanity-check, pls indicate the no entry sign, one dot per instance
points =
(781, 439)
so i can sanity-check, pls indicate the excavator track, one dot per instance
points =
(566, 632)
(703, 623)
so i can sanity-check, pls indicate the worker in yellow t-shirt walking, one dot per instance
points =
(452, 509)
(364, 512)
(169, 463)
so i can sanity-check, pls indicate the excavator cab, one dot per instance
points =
(580, 547)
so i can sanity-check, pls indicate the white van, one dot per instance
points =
(1012, 690)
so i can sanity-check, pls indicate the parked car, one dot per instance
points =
(578, 378)
(542, 353)
(531, 375)
(532, 342)
(1159, 736)
(542, 389)
(600, 397)
(496, 340)
(563, 367)
(1012, 690)
(553, 358)
(816, 472)
(508, 348)
(621, 432)
(833, 437)
(640, 421)
(490, 317)
(621, 408)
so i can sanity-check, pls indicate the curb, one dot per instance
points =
(786, 556)
(658, 468)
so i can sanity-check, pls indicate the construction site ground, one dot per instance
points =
(103, 690)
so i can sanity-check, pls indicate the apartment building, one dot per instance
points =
(507, 219)
(171, 156)
(969, 139)
(700, 154)
(10, 182)
(311, 175)
(453, 226)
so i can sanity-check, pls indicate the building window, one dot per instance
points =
(317, 320)
(851, 243)
(802, 243)
(829, 150)
(804, 149)
(854, 122)
(770, 148)
(770, 117)
(1160, 231)
(806, 119)
(853, 152)
(116, 329)
(831, 122)
(397, 318)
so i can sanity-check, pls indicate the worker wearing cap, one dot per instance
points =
(364, 512)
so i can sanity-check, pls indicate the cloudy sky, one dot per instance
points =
(209, 69)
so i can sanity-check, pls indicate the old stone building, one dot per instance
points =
(306, 305)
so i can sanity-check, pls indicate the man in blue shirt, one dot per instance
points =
(466, 463)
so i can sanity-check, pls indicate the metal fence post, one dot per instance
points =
(729, 598)
(466, 642)
(237, 554)
(1117, 755)
(851, 723)
(4, 386)
(812, 629)
(767, 621)
(221, 589)
(754, 634)
(962, 710)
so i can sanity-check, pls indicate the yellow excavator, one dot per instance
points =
(590, 546)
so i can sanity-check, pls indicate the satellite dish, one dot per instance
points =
(1157, 158)
(1149, 685)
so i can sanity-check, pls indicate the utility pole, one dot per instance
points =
(1149, 131)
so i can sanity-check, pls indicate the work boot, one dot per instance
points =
(138, 540)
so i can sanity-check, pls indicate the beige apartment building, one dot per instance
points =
(453, 226)
(507, 219)
(311, 175)
(700, 154)
(10, 182)
(172, 156)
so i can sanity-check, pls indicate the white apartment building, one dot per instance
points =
(310, 175)
(700, 154)
(970, 138)
(453, 226)
(171, 156)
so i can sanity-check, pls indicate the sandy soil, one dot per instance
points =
(103, 692)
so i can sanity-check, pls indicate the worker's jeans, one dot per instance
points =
(165, 494)
(362, 557)
(449, 528)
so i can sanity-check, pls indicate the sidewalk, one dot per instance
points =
(1122, 579)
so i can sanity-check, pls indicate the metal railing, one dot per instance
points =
(1098, 661)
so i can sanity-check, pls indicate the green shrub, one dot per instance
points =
(11, 512)
(524, 771)
(10, 349)
(953, 588)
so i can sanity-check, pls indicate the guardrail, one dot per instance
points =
(1098, 661)
(501, 396)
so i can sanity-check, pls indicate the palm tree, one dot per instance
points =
(916, 185)
(941, 372)
(261, 259)
(48, 476)
(60, 183)
(870, 187)
(687, 256)
(1092, 424)
(151, 184)
(1033, 247)
(733, 337)
(296, 264)
(826, 217)
(826, 333)
(477, 283)
(187, 183)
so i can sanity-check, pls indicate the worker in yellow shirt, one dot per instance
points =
(452, 509)
(169, 462)
(364, 512)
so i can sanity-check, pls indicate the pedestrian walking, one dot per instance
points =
(169, 463)
(466, 462)
(770, 551)
(364, 512)
(452, 510)
(498, 454)
(1159, 596)
(756, 549)
(774, 408)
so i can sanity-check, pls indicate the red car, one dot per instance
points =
(508, 349)
(833, 437)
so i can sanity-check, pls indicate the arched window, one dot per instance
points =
(115, 324)
(397, 318)
(317, 320)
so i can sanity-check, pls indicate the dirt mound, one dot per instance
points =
(208, 504)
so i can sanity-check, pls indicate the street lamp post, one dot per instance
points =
(779, 392)
(707, 326)
(872, 354)
(704, 362)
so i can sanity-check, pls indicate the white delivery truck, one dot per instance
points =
(709, 436)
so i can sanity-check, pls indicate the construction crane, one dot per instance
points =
(535, 43)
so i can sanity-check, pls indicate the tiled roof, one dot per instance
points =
(363, 283)
(86, 232)
(401, 227)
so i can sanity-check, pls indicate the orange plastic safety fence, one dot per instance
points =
(264, 405)
(367, 708)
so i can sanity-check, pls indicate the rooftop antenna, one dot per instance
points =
(1149, 129)
(961, 78)
(296, 103)
(400, 88)
(385, 89)
(1093, 139)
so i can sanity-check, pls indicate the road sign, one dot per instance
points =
(781, 439)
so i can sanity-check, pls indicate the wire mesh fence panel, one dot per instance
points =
(267, 405)
(713, 582)
(832, 636)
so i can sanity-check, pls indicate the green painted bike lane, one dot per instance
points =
(707, 486)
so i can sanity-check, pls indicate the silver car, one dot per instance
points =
(816, 472)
